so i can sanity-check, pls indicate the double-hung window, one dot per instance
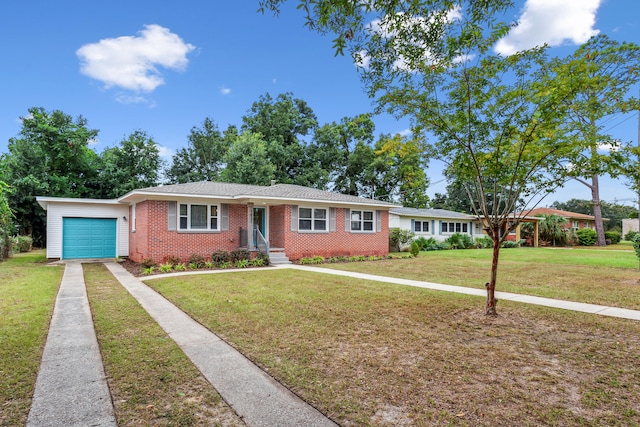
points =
(362, 221)
(312, 219)
(455, 227)
(421, 226)
(198, 217)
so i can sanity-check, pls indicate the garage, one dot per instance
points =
(88, 238)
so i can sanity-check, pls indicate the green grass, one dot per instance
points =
(368, 353)
(28, 289)
(152, 382)
(591, 276)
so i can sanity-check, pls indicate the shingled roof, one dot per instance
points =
(284, 192)
(431, 213)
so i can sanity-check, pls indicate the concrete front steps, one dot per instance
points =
(278, 257)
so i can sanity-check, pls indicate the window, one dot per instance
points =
(421, 226)
(198, 217)
(362, 221)
(312, 219)
(455, 227)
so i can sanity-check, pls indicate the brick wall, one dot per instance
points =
(152, 238)
(339, 243)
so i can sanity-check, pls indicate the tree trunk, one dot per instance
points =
(490, 307)
(597, 211)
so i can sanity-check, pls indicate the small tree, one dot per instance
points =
(636, 246)
(6, 225)
(552, 229)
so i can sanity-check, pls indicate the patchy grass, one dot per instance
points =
(368, 353)
(152, 381)
(28, 289)
(597, 277)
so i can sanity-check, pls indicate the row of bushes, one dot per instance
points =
(341, 259)
(630, 235)
(458, 241)
(240, 258)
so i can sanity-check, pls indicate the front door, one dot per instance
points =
(259, 221)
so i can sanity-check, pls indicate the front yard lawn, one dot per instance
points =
(28, 289)
(368, 353)
(591, 276)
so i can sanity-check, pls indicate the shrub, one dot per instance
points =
(239, 255)
(586, 236)
(484, 242)
(258, 262)
(193, 266)
(218, 257)
(614, 236)
(148, 270)
(399, 238)
(196, 259)
(23, 244)
(165, 268)
(225, 264)
(179, 267)
(460, 241)
(147, 263)
(636, 246)
(630, 235)
(209, 264)
(173, 260)
(415, 249)
(242, 263)
(357, 258)
(508, 244)
(264, 257)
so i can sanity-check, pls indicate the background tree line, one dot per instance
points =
(279, 139)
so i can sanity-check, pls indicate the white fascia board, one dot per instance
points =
(45, 200)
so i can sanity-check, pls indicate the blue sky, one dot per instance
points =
(163, 67)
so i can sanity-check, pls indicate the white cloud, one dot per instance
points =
(225, 90)
(131, 62)
(613, 145)
(123, 98)
(552, 22)
(165, 152)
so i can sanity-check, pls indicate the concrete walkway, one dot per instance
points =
(255, 396)
(71, 387)
(602, 310)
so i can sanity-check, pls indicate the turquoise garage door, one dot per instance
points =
(88, 238)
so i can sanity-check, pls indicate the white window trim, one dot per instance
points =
(313, 220)
(208, 217)
(133, 218)
(462, 225)
(362, 221)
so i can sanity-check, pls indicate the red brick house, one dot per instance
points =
(575, 221)
(286, 221)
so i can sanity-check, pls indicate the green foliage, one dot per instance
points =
(509, 244)
(312, 260)
(460, 241)
(247, 161)
(180, 267)
(484, 242)
(209, 264)
(630, 235)
(202, 159)
(6, 222)
(193, 265)
(636, 246)
(552, 229)
(135, 163)
(243, 263)
(257, 262)
(148, 270)
(22, 244)
(614, 236)
(196, 259)
(50, 157)
(399, 237)
(586, 236)
(225, 264)
(415, 249)
(166, 268)
(263, 257)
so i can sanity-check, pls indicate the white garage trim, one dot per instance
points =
(57, 208)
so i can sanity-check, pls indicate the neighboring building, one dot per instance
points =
(436, 223)
(629, 224)
(575, 221)
(287, 221)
